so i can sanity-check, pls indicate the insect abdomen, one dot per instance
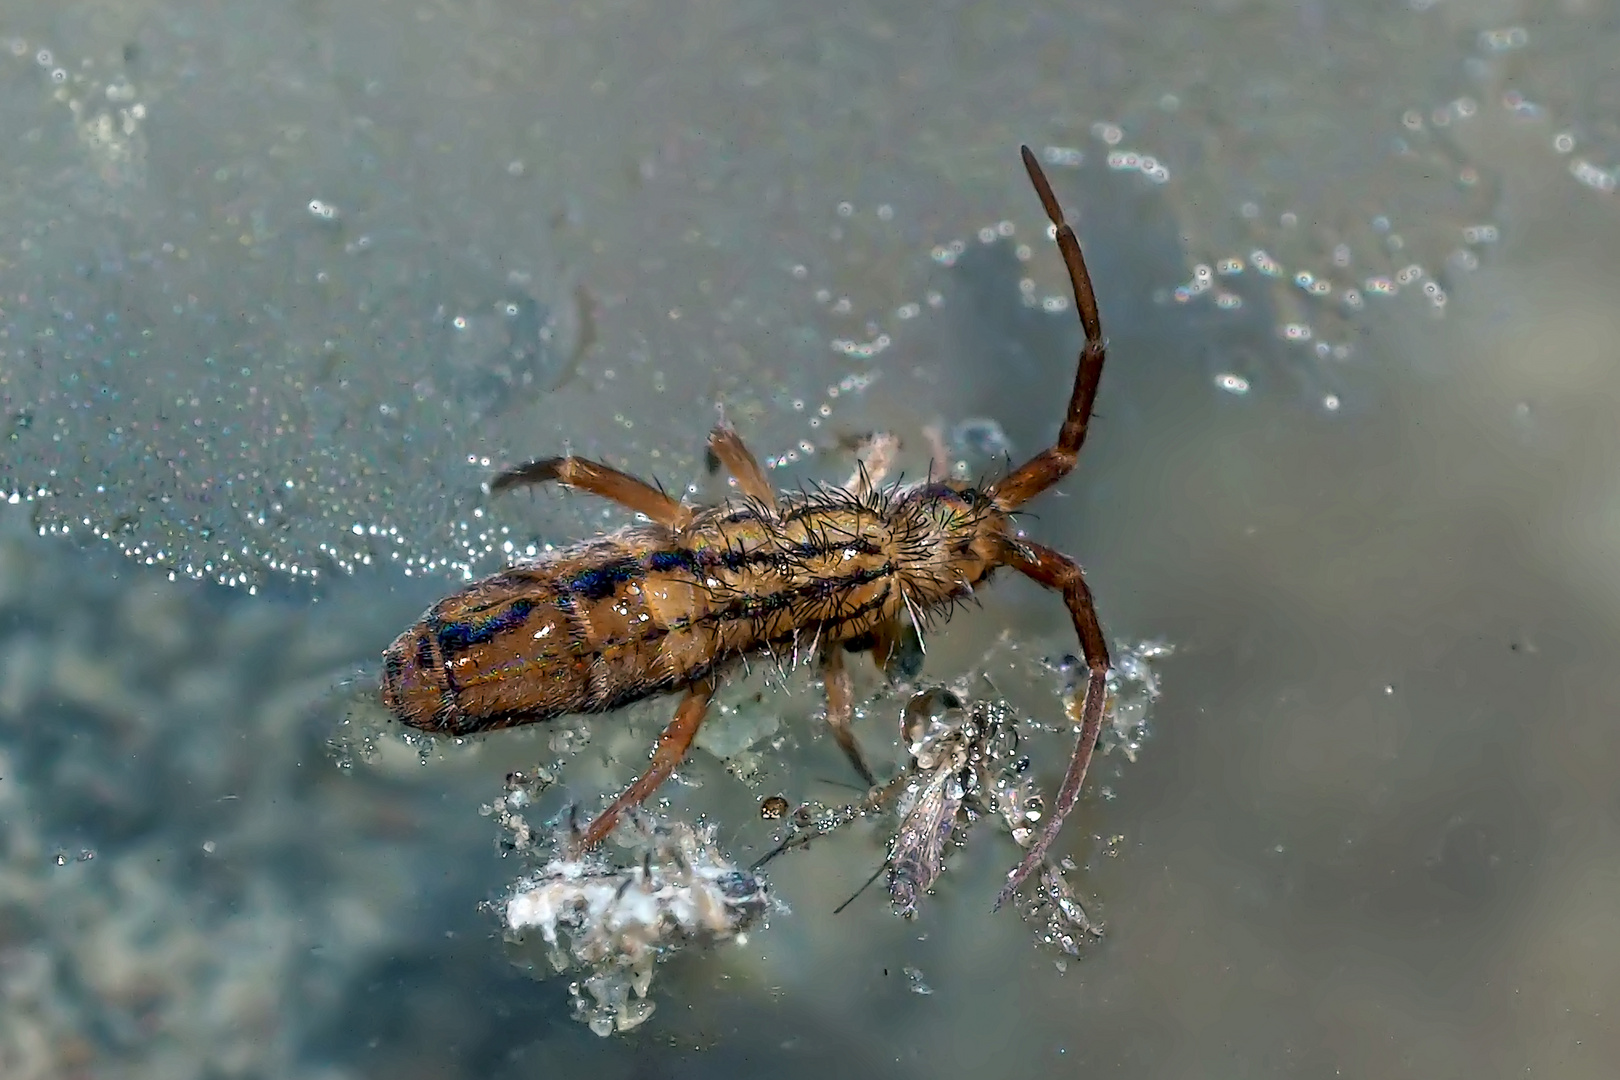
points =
(565, 634)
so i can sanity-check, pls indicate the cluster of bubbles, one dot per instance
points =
(1561, 78)
(144, 408)
(106, 114)
(1314, 284)
(1407, 216)
(237, 398)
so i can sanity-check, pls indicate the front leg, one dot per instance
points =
(1057, 571)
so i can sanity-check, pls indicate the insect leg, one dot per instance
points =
(741, 463)
(896, 650)
(671, 748)
(874, 457)
(601, 480)
(1058, 571)
(841, 709)
(1054, 463)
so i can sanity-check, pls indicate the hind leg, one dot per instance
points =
(600, 480)
(672, 747)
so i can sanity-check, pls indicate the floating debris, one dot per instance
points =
(613, 920)
(914, 976)
(963, 764)
(1133, 687)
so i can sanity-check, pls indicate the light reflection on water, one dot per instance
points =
(1374, 828)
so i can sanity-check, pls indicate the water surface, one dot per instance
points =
(272, 276)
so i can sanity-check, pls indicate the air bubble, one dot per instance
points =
(1504, 40)
(1601, 180)
(1464, 260)
(1521, 107)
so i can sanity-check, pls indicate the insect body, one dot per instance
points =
(946, 762)
(960, 767)
(675, 605)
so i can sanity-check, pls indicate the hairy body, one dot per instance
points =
(648, 610)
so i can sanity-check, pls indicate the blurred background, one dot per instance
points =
(280, 284)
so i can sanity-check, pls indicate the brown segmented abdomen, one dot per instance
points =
(566, 634)
(641, 612)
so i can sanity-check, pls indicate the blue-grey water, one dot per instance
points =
(280, 284)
